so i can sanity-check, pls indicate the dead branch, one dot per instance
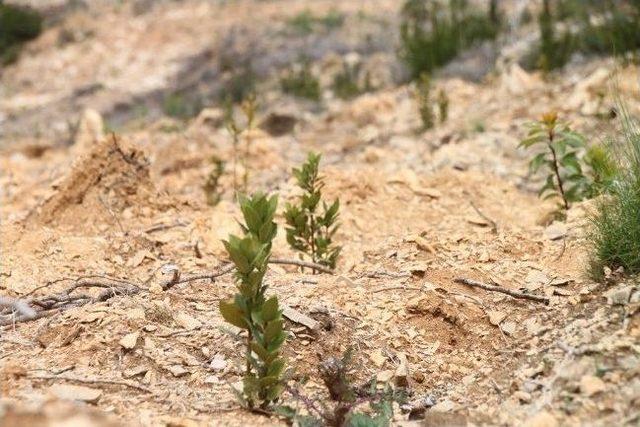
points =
(494, 225)
(94, 381)
(300, 263)
(48, 305)
(513, 294)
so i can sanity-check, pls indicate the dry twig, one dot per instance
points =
(511, 293)
(128, 384)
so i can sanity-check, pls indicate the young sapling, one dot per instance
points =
(309, 230)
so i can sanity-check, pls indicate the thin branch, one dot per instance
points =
(494, 225)
(299, 263)
(128, 384)
(513, 294)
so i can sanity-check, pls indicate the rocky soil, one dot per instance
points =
(418, 211)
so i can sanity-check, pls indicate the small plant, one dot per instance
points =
(248, 108)
(305, 22)
(603, 169)
(565, 177)
(346, 399)
(309, 231)
(250, 309)
(554, 51)
(432, 34)
(17, 26)
(423, 99)
(443, 105)
(301, 82)
(180, 106)
(211, 187)
(346, 84)
(615, 232)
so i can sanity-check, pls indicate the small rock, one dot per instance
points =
(377, 358)
(129, 341)
(401, 376)
(385, 376)
(619, 296)
(509, 328)
(134, 372)
(443, 406)
(186, 321)
(76, 392)
(591, 385)
(556, 230)
(177, 370)
(218, 363)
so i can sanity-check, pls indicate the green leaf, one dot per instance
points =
(270, 309)
(276, 367)
(233, 314)
(537, 161)
(273, 330)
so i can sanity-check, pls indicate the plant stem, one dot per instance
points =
(556, 169)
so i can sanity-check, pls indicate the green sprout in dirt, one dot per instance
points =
(248, 107)
(423, 99)
(211, 187)
(309, 231)
(565, 178)
(347, 83)
(250, 309)
(443, 105)
(344, 408)
(301, 82)
(603, 169)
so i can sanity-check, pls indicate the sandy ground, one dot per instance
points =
(418, 210)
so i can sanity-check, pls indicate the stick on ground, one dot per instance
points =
(492, 288)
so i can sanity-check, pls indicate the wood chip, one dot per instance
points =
(76, 392)
(303, 319)
(129, 341)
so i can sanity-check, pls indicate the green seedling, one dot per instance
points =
(310, 231)
(559, 156)
(251, 310)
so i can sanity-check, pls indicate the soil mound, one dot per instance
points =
(108, 181)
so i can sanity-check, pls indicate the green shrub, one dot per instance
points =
(443, 105)
(309, 231)
(211, 188)
(555, 50)
(301, 82)
(180, 106)
(603, 169)
(235, 129)
(431, 36)
(615, 234)
(305, 22)
(239, 83)
(347, 83)
(614, 31)
(250, 309)
(423, 100)
(559, 155)
(17, 25)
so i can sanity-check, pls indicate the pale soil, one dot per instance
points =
(409, 229)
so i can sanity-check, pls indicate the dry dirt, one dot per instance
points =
(418, 210)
